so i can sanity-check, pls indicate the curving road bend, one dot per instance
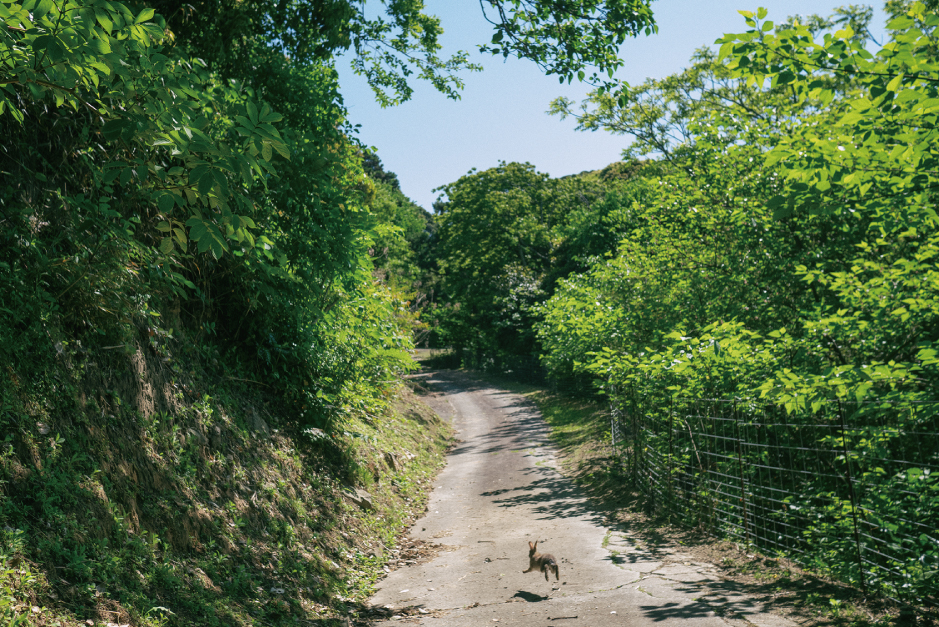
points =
(500, 490)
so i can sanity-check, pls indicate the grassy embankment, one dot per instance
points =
(211, 511)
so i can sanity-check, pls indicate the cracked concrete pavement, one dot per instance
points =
(500, 490)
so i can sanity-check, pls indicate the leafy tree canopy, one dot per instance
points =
(506, 235)
(790, 235)
(402, 41)
(566, 38)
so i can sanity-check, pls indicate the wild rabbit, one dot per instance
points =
(544, 562)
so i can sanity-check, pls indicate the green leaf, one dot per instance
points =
(110, 174)
(901, 23)
(895, 82)
(270, 117)
(206, 183)
(198, 173)
(56, 52)
(726, 49)
(104, 19)
(281, 149)
(42, 7)
(166, 203)
(197, 229)
(222, 181)
(205, 242)
(166, 245)
(144, 16)
(99, 46)
(775, 201)
(781, 212)
(216, 241)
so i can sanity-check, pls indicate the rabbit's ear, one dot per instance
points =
(531, 546)
(535, 546)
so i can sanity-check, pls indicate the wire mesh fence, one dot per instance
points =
(849, 488)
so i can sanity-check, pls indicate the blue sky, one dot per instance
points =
(430, 140)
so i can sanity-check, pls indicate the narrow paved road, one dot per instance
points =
(500, 490)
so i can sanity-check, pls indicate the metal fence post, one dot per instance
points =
(613, 414)
(743, 486)
(847, 465)
(670, 469)
(637, 445)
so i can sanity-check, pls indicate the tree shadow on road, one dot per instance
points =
(682, 611)
(522, 429)
(446, 382)
(550, 496)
